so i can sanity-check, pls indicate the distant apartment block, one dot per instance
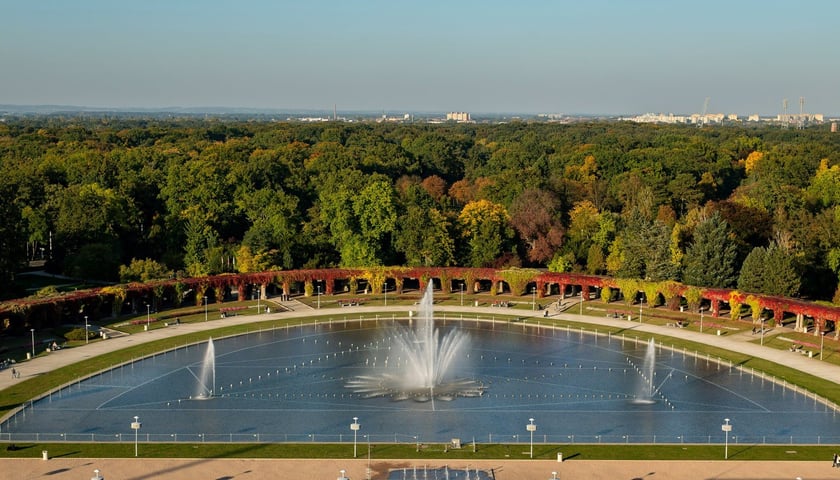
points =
(800, 118)
(720, 118)
(458, 117)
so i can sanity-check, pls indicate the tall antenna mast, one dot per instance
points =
(785, 118)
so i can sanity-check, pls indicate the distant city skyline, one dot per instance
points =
(492, 56)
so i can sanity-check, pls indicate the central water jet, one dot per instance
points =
(425, 373)
(207, 375)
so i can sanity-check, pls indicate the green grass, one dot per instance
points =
(518, 451)
(22, 392)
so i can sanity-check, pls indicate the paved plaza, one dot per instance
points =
(260, 469)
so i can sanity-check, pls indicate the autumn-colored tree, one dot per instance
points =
(535, 216)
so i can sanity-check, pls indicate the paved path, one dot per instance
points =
(735, 342)
(300, 469)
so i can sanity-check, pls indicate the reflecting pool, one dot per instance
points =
(294, 384)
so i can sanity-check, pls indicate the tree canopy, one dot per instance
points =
(202, 196)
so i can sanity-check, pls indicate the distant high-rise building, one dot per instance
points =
(834, 127)
(458, 116)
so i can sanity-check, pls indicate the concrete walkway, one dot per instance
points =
(734, 342)
(356, 469)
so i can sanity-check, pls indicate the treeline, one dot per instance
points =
(124, 200)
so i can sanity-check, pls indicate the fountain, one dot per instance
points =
(290, 384)
(645, 389)
(207, 374)
(424, 374)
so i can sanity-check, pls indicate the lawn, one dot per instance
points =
(22, 392)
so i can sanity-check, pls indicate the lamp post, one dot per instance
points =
(355, 427)
(86, 331)
(462, 294)
(205, 308)
(32, 331)
(135, 425)
(822, 339)
(531, 427)
(640, 310)
(701, 319)
(148, 315)
(368, 467)
(319, 296)
(581, 300)
(385, 289)
(726, 427)
(762, 335)
(534, 298)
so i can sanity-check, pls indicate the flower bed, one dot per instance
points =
(145, 321)
(232, 309)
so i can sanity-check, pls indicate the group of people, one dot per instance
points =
(15, 373)
(836, 462)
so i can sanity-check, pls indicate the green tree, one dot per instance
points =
(200, 240)
(771, 271)
(12, 236)
(710, 257)
(485, 227)
(273, 234)
(423, 236)
(143, 270)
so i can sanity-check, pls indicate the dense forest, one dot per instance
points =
(140, 199)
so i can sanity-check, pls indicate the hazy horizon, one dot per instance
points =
(537, 56)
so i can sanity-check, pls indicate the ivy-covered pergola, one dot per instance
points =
(116, 299)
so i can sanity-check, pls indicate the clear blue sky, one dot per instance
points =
(584, 56)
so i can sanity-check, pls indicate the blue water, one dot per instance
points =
(289, 385)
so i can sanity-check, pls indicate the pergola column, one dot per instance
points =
(778, 316)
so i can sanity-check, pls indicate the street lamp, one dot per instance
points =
(726, 427)
(135, 425)
(148, 316)
(32, 331)
(531, 427)
(581, 300)
(86, 330)
(822, 339)
(368, 467)
(701, 319)
(462, 294)
(640, 310)
(762, 336)
(355, 427)
(319, 296)
(534, 298)
(385, 289)
(205, 308)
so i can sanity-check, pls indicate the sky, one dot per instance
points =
(480, 56)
